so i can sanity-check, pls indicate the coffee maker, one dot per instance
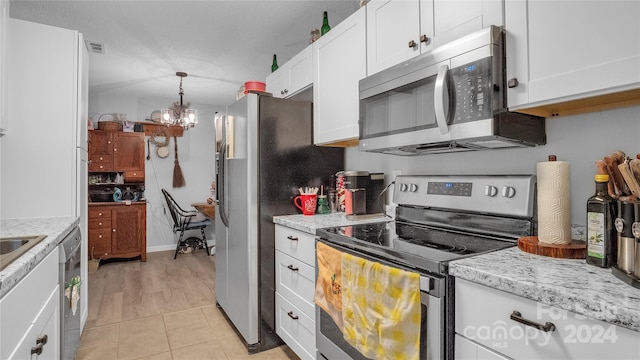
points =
(365, 187)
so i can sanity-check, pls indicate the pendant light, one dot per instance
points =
(180, 113)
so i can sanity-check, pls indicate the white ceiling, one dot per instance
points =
(220, 44)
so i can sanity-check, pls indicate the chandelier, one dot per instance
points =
(180, 113)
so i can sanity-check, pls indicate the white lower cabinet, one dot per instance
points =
(486, 328)
(295, 328)
(468, 350)
(43, 338)
(295, 289)
(30, 314)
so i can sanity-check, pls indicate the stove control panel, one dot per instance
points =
(449, 188)
(512, 195)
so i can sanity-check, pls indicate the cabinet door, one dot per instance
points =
(295, 281)
(468, 350)
(44, 334)
(99, 232)
(128, 151)
(23, 305)
(340, 63)
(295, 328)
(276, 82)
(391, 26)
(484, 316)
(100, 150)
(293, 76)
(100, 142)
(454, 19)
(299, 72)
(576, 49)
(129, 230)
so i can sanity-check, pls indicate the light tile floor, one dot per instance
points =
(192, 333)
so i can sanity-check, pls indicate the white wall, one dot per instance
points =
(196, 156)
(579, 139)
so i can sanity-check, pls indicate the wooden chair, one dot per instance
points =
(184, 220)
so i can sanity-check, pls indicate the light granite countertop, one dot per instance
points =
(310, 223)
(55, 228)
(568, 284)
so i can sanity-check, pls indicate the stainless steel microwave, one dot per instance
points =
(450, 99)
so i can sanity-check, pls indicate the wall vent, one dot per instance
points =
(95, 47)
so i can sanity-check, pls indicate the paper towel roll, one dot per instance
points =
(554, 202)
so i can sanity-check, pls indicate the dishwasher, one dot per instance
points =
(70, 283)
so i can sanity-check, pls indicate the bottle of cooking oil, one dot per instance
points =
(601, 232)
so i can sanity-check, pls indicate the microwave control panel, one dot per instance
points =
(473, 91)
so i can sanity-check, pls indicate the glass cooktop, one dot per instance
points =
(421, 246)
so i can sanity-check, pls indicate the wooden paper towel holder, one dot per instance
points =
(577, 249)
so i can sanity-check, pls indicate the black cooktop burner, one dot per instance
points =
(417, 245)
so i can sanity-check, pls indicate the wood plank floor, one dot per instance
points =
(161, 309)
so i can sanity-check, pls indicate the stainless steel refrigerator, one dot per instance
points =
(265, 153)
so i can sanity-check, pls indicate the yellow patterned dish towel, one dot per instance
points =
(380, 309)
(328, 294)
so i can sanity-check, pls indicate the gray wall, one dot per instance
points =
(579, 139)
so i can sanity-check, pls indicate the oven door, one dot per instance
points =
(330, 343)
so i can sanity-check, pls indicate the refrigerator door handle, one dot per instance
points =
(221, 186)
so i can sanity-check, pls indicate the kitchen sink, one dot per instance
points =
(10, 245)
(12, 248)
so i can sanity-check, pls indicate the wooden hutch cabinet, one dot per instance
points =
(117, 151)
(117, 229)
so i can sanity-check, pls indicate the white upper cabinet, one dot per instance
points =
(294, 76)
(398, 30)
(454, 19)
(340, 62)
(563, 51)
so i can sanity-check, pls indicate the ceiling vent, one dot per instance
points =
(95, 47)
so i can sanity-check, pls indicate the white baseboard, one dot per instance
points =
(158, 248)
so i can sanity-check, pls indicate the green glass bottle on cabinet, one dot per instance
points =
(325, 24)
(274, 64)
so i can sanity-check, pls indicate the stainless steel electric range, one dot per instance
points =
(438, 219)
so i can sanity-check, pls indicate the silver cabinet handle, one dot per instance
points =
(294, 317)
(292, 238)
(439, 92)
(290, 267)
(517, 317)
(412, 44)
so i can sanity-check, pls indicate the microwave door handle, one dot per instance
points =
(441, 88)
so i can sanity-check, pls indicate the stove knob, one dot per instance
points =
(508, 191)
(403, 187)
(490, 190)
(413, 187)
